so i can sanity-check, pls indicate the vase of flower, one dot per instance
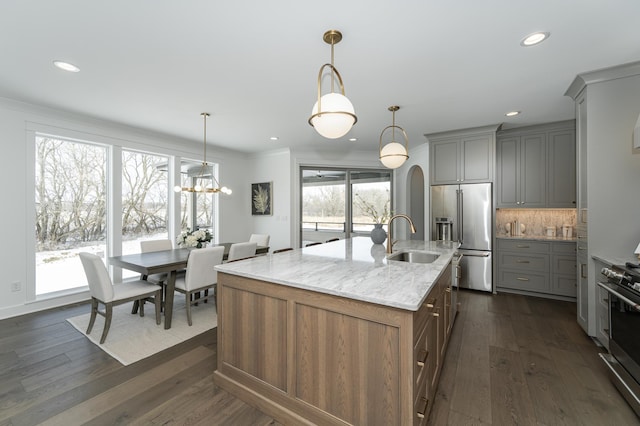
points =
(195, 239)
(378, 235)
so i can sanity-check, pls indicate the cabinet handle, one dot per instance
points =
(522, 279)
(581, 248)
(420, 411)
(422, 358)
(436, 314)
(448, 289)
(522, 246)
(583, 274)
(582, 237)
(432, 303)
(522, 261)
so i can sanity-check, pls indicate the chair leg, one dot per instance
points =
(94, 313)
(187, 295)
(107, 321)
(134, 308)
(206, 294)
(142, 306)
(158, 300)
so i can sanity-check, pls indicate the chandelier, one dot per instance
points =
(332, 115)
(394, 154)
(205, 175)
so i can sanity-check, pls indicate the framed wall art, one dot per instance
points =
(262, 199)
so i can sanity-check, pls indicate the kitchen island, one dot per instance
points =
(336, 333)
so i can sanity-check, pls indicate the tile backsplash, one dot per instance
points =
(536, 221)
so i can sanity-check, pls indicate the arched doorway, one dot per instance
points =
(415, 201)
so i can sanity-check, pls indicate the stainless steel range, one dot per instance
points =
(623, 286)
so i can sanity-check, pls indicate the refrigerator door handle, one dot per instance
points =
(460, 216)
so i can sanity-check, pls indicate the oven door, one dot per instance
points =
(624, 323)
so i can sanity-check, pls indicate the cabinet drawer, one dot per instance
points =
(564, 265)
(524, 246)
(564, 286)
(563, 247)
(524, 281)
(539, 263)
(423, 314)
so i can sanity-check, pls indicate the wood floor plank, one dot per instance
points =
(501, 332)
(472, 393)
(548, 391)
(510, 398)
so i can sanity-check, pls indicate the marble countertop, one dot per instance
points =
(536, 238)
(354, 268)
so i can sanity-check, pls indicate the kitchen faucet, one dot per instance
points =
(390, 241)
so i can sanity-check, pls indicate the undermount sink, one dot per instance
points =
(413, 257)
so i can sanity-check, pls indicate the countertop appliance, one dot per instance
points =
(623, 286)
(468, 207)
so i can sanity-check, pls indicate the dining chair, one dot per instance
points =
(282, 250)
(147, 246)
(241, 251)
(260, 239)
(200, 276)
(103, 291)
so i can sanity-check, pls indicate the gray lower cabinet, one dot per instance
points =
(541, 268)
(602, 305)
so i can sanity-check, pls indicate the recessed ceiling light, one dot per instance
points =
(512, 113)
(534, 38)
(353, 139)
(66, 66)
(274, 138)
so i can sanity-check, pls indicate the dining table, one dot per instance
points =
(169, 262)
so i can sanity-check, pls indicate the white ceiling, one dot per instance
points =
(157, 64)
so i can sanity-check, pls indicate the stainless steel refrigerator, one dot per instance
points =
(464, 213)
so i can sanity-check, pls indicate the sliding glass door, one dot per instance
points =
(341, 203)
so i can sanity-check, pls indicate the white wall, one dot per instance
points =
(17, 120)
(613, 168)
(418, 157)
(275, 167)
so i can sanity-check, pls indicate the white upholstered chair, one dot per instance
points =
(239, 251)
(103, 291)
(147, 246)
(260, 239)
(200, 275)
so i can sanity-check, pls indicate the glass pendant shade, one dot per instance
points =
(393, 155)
(336, 118)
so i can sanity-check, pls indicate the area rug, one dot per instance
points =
(132, 338)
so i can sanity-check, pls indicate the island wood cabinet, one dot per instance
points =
(538, 268)
(536, 166)
(305, 357)
(462, 156)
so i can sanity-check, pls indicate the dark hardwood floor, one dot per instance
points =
(512, 360)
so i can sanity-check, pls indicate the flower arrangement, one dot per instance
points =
(197, 239)
(370, 210)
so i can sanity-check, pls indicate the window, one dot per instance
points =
(71, 210)
(197, 209)
(342, 203)
(144, 201)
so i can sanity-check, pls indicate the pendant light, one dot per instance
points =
(394, 154)
(205, 174)
(333, 114)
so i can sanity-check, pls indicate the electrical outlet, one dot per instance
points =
(16, 286)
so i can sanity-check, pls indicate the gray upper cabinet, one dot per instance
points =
(561, 185)
(462, 156)
(536, 166)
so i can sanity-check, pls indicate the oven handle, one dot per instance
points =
(625, 299)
